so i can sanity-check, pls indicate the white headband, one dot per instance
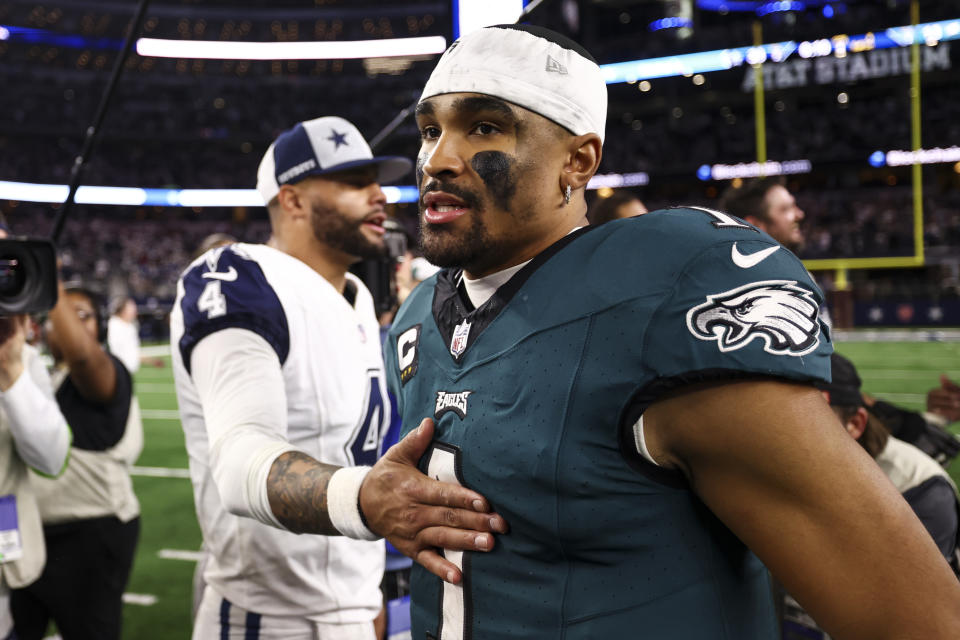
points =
(523, 65)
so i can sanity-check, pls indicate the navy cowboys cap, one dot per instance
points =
(317, 147)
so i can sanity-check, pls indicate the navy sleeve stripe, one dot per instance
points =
(227, 290)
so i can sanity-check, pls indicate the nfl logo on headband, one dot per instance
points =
(317, 147)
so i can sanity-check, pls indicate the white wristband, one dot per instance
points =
(343, 503)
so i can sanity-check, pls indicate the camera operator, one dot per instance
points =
(90, 513)
(33, 433)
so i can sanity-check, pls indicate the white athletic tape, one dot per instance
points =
(343, 494)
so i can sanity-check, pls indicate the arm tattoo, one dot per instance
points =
(297, 490)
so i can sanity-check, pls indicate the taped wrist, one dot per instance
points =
(343, 503)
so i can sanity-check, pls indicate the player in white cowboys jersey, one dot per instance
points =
(280, 381)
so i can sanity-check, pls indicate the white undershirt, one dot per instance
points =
(481, 289)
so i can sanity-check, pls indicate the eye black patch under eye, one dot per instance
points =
(497, 170)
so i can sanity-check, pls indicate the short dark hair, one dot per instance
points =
(747, 199)
(875, 435)
(549, 35)
(605, 209)
(96, 300)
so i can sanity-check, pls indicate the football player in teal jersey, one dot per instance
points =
(635, 399)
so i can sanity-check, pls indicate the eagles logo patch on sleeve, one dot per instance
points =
(779, 312)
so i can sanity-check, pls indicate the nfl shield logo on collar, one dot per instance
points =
(459, 342)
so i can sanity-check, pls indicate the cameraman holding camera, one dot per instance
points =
(33, 433)
(90, 513)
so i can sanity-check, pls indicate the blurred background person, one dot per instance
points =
(123, 333)
(927, 430)
(91, 516)
(924, 484)
(769, 206)
(620, 204)
(212, 241)
(944, 401)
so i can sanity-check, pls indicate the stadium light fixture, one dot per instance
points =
(325, 50)
(898, 158)
(753, 169)
(136, 196)
(670, 23)
(618, 180)
(930, 33)
(470, 15)
(148, 197)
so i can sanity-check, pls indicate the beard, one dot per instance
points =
(337, 231)
(443, 246)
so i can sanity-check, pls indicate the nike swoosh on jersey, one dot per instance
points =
(229, 275)
(749, 260)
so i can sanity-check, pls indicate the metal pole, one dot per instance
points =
(916, 143)
(79, 163)
(759, 113)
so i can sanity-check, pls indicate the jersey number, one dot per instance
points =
(722, 220)
(212, 300)
(455, 600)
(364, 448)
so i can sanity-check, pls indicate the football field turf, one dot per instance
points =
(900, 372)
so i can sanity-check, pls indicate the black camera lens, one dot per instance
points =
(12, 276)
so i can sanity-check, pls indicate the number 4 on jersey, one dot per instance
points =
(212, 301)
(364, 447)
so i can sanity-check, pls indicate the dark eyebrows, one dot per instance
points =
(473, 104)
(424, 108)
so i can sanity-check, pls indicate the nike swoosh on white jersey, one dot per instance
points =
(229, 275)
(749, 260)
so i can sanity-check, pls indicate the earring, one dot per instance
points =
(566, 195)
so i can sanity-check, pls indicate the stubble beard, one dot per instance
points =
(444, 247)
(473, 249)
(334, 229)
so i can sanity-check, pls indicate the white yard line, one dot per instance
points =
(181, 554)
(902, 397)
(142, 599)
(913, 374)
(155, 351)
(160, 414)
(160, 472)
(150, 375)
(154, 387)
(896, 335)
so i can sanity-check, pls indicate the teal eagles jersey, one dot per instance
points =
(535, 394)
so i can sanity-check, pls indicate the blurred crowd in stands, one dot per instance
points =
(205, 124)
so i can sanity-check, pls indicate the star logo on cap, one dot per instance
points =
(337, 139)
